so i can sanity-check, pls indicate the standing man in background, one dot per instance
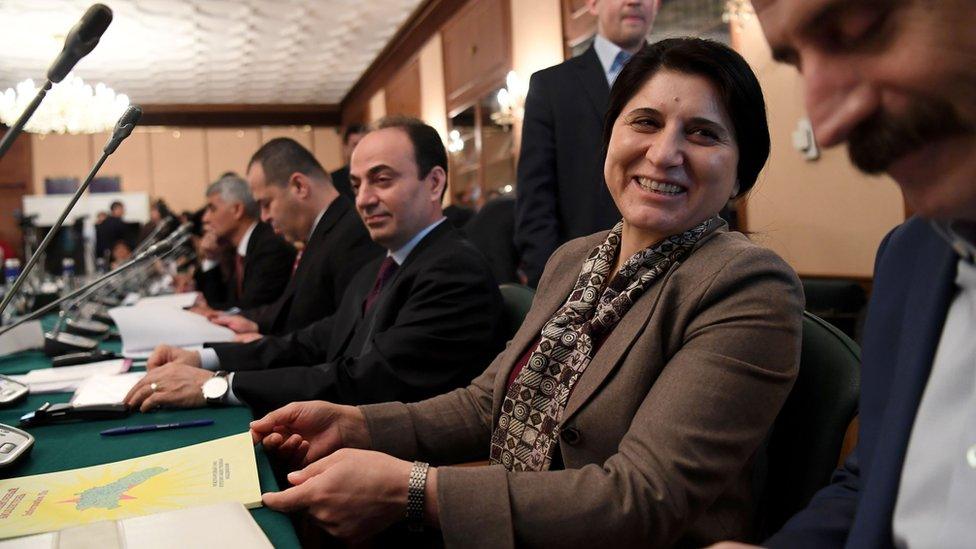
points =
(561, 193)
(110, 230)
(340, 177)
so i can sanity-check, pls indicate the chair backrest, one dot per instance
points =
(518, 300)
(807, 436)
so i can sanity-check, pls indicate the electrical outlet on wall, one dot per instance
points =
(804, 140)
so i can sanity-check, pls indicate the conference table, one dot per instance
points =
(74, 445)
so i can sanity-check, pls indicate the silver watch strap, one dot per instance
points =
(415, 496)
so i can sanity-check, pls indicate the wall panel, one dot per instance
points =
(130, 162)
(60, 156)
(327, 148)
(179, 166)
(229, 150)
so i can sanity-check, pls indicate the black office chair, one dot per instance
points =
(518, 300)
(806, 439)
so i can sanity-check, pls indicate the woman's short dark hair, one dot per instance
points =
(736, 84)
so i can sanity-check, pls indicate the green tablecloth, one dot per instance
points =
(69, 446)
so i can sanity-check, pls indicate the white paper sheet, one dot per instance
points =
(28, 335)
(143, 327)
(69, 378)
(103, 389)
(188, 528)
(180, 301)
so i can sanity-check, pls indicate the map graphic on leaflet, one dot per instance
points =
(211, 472)
(109, 495)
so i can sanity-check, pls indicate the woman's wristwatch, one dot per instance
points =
(415, 496)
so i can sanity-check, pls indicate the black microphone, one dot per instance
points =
(123, 128)
(80, 41)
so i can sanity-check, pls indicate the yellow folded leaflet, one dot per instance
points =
(219, 470)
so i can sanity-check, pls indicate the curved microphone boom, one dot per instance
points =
(122, 130)
(80, 41)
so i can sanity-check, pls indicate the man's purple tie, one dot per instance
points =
(387, 268)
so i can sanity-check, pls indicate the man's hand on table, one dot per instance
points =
(172, 385)
(237, 323)
(302, 432)
(164, 354)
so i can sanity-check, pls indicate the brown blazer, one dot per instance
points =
(659, 434)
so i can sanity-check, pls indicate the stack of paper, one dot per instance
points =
(68, 378)
(207, 526)
(178, 301)
(143, 327)
(105, 389)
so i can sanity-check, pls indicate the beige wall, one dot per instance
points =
(433, 100)
(537, 41)
(823, 217)
(327, 147)
(229, 149)
(175, 164)
(377, 106)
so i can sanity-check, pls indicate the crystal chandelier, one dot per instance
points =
(738, 12)
(70, 107)
(511, 101)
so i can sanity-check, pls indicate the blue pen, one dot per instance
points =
(155, 427)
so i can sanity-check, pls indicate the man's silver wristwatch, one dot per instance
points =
(415, 496)
(215, 389)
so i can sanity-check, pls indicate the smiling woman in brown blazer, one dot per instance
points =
(629, 407)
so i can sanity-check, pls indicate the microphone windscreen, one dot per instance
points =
(129, 118)
(93, 24)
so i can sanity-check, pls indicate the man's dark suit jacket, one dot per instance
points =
(340, 180)
(108, 232)
(561, 189)
(267, 268)
(914, 283)
(433, 328)
(491, 230)
(338, 247)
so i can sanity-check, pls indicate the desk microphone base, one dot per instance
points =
(84, 327)
(55, 345)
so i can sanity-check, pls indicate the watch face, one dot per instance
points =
(215, 388)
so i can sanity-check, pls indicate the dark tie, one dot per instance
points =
(239, 273)
(387, 268)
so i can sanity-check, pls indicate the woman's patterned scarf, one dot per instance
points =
(527, 433)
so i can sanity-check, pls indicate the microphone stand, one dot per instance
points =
(122, 130)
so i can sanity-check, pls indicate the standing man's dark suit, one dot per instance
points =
(913, 287)
(561, 189)
(338, 247)
(340, 180)
(435, 325)
(111, 230)
(267, 268)
(491, 231)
